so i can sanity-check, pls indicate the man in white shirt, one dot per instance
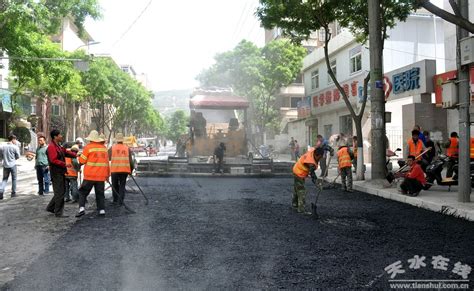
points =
(10, 153)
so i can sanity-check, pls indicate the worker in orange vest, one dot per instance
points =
(472, 148)
(121, 166)
(96, 172)
(73, 168)
(452, 151)
(344, 158)
(306, 165)
(414, 145)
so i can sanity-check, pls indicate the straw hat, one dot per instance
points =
(119, 137)
(95, 137)
(75, 148)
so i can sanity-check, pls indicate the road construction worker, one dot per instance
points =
(219, 158)
(452, 151)
(73, 168)
(414, 145)
(344, 158)
(96, 172)
(306, 165)
(121, 166)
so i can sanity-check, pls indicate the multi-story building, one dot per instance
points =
(419, 38)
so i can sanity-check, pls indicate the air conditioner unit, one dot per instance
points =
(450, 94)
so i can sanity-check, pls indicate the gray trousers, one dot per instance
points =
(71, 189)
(346, 173)
(323, 166)
(6, 175)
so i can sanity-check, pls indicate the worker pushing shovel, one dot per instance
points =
(306, 165)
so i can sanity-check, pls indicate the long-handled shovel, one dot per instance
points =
(141, 191)
(391, 176)
(319, 185)
(121, 200)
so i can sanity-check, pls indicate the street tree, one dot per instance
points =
(298, 19)
(259, 74)
(176, 125)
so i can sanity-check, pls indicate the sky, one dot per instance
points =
(172, 41)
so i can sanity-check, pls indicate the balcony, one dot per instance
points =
(295, 90)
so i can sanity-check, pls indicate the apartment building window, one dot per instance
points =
(294, 102)
(345, 125)
(334, 69)
(327, 131)
(56, 110)
(355, 55)
(315, 79)
(33, 108)
(322, 35)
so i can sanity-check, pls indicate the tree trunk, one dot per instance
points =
(360, 149)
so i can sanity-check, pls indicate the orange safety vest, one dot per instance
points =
(96, 160)
(472, 147)
(344, 158)
(453, 149)
(71, 171)
(300, 169)
(120, 159)
(415, 150)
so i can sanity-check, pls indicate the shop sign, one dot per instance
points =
(304, 108)
(6, 101)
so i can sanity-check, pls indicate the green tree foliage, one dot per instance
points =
(258, 74)
(176, 125)
(22, 134)
(121, 103)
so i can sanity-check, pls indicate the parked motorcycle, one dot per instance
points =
(435, 168)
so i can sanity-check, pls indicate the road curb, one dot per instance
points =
(446, 209)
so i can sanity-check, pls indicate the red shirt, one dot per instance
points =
(417, 173)
(56, 155)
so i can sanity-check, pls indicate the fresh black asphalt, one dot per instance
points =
(235, 233)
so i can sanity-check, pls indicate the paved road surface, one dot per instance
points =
(230, 233)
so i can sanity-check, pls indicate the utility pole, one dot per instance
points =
(376, 91)
(464, 191)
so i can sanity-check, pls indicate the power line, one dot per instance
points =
(248, 12)
(240, 19)
(132, 24)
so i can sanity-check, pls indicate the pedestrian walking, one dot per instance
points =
(121, 166)
(73, 169)
(42, 166)
(292, 148)
(10, 153)
(219, 156)
(414, 180)
(306, 165)
(96, 172)
(344, 158)
(57, 167)
(297, 150)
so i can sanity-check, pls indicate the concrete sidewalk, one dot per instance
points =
(437, 199)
